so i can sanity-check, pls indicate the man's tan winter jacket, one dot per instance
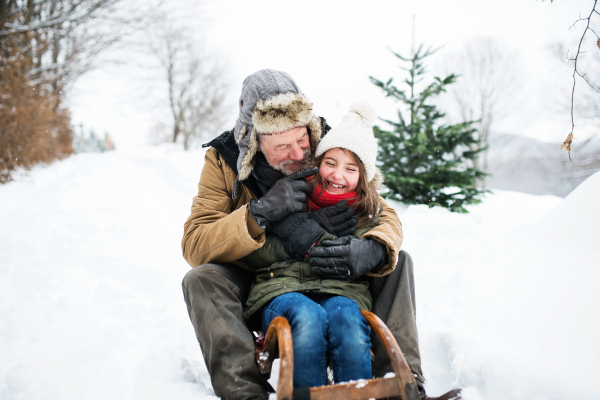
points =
(221, 230)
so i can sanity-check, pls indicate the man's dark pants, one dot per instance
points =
(215, 294)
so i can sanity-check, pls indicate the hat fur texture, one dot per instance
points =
(271, 103)
(355, 133)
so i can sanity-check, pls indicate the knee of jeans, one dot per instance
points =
(309, 325)
(342, 311)
(349, 329)
(354, 339)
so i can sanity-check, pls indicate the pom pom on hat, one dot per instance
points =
(355, 133)
(364, 109)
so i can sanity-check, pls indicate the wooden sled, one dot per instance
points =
(278, 340)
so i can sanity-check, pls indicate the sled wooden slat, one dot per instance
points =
(369, 389)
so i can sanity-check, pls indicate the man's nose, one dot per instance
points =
(296, 153)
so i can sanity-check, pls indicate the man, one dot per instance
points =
(250, 181)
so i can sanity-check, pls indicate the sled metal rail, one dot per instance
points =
(278, 340)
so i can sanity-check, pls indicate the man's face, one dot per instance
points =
(285, 151)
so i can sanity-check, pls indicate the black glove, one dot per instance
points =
(298, 233)
(347, 258)
(285, 197)
(337, 219)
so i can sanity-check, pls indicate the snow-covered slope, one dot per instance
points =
(503, 311)
(91, 305)
(90, 280)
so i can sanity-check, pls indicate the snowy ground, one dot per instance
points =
(91, 268)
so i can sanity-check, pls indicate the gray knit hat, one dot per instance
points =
(270, 103)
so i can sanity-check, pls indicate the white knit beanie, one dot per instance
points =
(355, 133)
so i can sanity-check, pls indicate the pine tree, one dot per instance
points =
(423, 160)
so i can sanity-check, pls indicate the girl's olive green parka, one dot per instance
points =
(277, 274)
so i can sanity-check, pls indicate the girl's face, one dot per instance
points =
(339, 171)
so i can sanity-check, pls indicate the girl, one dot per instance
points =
(324, 314)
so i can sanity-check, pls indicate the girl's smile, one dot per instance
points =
(339, 171)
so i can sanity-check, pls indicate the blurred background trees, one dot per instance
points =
(489, 86)
(44, 47)
(195, 82)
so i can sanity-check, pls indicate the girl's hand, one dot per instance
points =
(298, 233)
(347, 258)
(336, 219)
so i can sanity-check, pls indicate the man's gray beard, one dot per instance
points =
(281, 166)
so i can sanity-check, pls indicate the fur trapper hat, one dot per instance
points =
(270, 103)
(355, 133)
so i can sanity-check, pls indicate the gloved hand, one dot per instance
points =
(336, 219)
(298, 233)
(347, 258)
(285, 197)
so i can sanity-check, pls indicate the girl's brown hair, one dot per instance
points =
(368, 204)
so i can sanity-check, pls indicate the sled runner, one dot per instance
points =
(278, 341)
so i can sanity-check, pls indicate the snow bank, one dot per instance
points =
(91, 305)
(503, 311)
(90, 280)
(575, 224)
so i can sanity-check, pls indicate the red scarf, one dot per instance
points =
(321, 198)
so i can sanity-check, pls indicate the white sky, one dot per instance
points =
(331, 47)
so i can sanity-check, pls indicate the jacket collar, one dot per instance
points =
(228, 149)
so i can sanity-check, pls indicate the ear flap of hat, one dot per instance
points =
(242, 134)
(247, 162)
(315, 130)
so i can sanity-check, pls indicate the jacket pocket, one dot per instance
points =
(272, 271)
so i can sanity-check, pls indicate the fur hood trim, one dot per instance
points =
(281, 112)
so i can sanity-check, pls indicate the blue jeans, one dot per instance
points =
(321, 326)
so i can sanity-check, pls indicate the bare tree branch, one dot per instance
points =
(64, 38)
(71, 14)
(576, 72)
(196, 83)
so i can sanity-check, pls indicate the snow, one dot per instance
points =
(506, 309)
(91, 269)
(361, 384)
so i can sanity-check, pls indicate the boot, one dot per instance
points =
(454, 394)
